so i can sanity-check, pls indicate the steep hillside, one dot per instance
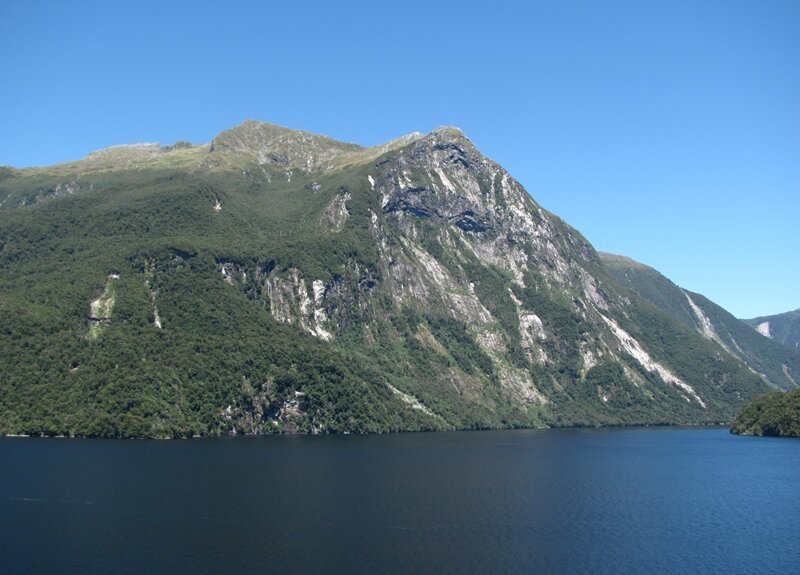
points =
(278, 280)
(778, 366)
(783, 327)
(652, 286)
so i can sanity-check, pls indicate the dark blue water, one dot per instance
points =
(609, 501)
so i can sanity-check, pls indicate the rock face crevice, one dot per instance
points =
(336, 213)
(100, 309)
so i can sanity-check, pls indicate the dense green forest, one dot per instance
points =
(776, 413)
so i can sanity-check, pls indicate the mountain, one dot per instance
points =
(779, 367)
(782, 327)
(277, 280)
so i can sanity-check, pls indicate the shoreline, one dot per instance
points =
(230, 436)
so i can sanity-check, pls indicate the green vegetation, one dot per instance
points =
(652, 286)
(776, 413)
(182, 291)
(778, 365)
(130, 378)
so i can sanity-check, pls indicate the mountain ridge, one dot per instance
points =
(282, 281)
(246, 140)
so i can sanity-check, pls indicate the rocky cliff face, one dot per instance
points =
(453, 298)
(457, 236)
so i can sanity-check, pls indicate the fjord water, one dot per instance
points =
(546, 501)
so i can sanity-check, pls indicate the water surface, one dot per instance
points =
(547, 501)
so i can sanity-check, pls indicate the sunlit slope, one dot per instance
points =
(276, 280)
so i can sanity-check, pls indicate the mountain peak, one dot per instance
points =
(271, 144)
(448, 131)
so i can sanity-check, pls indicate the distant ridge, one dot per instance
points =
(782, 327)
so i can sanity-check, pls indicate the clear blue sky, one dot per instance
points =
(666, 131)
